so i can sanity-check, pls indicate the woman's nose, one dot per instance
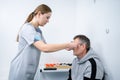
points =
(47, 20)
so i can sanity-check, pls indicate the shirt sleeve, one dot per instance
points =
(30, 35)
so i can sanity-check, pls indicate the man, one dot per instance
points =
(87, 65)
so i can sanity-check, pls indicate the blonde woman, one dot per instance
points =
(31, 43)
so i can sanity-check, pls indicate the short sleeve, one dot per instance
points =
(30, 35)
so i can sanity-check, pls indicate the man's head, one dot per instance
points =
(83, 47)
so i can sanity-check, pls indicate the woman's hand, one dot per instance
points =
(71, 46)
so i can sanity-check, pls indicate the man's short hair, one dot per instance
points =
(84, 40)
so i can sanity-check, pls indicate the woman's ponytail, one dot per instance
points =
(30, 17)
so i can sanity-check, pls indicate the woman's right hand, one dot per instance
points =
(71, 46)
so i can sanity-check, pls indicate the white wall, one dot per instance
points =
(70, 17)
(59, 30)
(94, 18)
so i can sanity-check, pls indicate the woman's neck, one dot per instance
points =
(34, 23)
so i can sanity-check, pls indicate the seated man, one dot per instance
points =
(87, 65)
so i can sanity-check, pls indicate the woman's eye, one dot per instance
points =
(48, 17)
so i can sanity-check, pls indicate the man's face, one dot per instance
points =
(79, 50)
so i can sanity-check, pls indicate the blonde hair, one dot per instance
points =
(42, 8)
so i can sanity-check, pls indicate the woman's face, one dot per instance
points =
(44, 18)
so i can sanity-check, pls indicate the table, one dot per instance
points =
(59, 74)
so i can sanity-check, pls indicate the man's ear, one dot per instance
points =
(84, 46)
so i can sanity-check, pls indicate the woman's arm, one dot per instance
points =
(53, 47)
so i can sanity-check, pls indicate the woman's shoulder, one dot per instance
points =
(27, 27)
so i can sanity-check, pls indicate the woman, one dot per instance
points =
(31, 43)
